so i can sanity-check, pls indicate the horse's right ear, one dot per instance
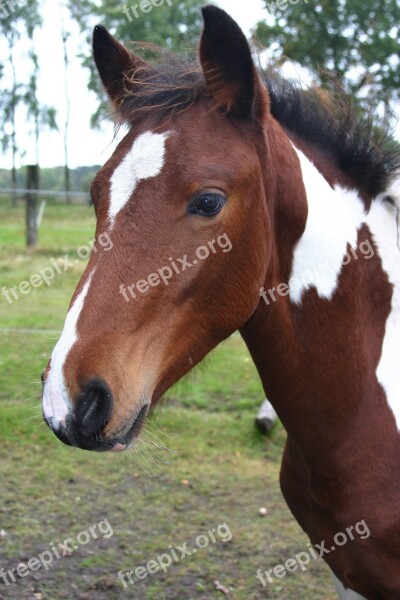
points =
(113, 62)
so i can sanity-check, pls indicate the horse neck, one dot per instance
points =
(317, 350)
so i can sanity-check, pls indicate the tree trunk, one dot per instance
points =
(13, 125)
(64, 36)
(67, 182)
(32, 183)
(13, 183)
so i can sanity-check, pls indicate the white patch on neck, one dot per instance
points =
(144, 160)
(334, 217)
(382, 224)
(56, 402)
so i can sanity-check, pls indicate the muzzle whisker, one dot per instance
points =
(143, 458)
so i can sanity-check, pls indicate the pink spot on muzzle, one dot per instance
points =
(118, 447)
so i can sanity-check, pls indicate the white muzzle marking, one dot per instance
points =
(56, 402)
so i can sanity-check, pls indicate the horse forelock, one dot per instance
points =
(325, 119)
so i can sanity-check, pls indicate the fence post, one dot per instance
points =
(32, 183)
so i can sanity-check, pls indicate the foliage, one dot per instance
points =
(52, 178)
(19, 23)
(353, 40)
(175, 27)
(14, 24)
(42, 116)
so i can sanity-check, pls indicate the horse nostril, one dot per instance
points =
(94, 409)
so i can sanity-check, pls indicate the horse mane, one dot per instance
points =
(326, 119)
(329, 120)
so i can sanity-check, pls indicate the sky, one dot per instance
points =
(86, 146)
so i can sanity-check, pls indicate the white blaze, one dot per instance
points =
(144, 160)
(56, 402)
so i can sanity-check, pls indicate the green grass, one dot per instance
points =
(209, 464)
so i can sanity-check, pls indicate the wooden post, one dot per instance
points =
(32, 183)
(67, 182)
(14, 187)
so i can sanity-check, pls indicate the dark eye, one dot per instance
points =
(207, 205)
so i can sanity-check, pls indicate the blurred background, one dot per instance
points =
(201, 462)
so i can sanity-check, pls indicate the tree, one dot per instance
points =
(9, 101)
(14, 22)
(173, 25)
(21, 22)
(355, 41)
(65, 36)
(41, 115)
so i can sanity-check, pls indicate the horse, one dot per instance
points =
(266, 417)
(272, 198)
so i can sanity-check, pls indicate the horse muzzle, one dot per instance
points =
(83, 425)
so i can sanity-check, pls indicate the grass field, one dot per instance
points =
(201, 463)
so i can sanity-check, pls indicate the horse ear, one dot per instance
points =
(113, 62)
(228, 67)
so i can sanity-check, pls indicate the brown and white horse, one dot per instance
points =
(296, 186)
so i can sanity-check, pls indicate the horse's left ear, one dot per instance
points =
(228, 66)
(113, 62)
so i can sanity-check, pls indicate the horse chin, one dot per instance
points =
(123, 442)
(71, 436)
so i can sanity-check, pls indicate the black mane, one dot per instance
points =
(331, 122)
(327, 120)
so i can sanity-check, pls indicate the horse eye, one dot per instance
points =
(208, 205)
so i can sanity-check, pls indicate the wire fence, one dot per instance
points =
(52, 195)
